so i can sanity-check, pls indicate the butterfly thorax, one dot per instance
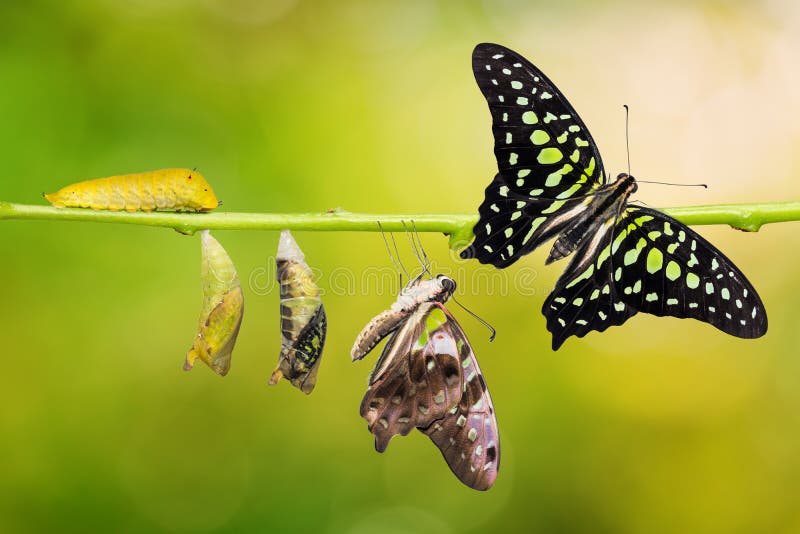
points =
(418, 291)
(598, 217)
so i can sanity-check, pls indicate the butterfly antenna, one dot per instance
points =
(705, 186)
(398, 265)
(397, 253)
(628, 152)
(627, 138)
(416, 250)
(480, 320)
(421, 248)
(412, 244)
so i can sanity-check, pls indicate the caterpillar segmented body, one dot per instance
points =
(303, 320)
(165, 189)
(223, 308)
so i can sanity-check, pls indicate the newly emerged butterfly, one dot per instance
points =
(427, 378)
(551, 184)
(165, 189)
(223, 308)
(303, 321)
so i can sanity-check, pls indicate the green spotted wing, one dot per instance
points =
(656, 265)
(546, 157)
(551, 184)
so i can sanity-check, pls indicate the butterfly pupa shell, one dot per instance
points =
(303, 321)
(223, 308)
(165, 189)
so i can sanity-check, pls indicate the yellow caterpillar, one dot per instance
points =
(166, 189)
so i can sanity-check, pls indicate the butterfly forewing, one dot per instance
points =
(544, 152)
(666, 268)
(467, 435)
(417, 379)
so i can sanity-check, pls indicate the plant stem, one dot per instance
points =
(747, 217)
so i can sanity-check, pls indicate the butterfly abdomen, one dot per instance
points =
(378, 328)
(165, 189)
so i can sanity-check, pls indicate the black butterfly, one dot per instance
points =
(552, 184)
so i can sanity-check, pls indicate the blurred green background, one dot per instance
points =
(289, 105)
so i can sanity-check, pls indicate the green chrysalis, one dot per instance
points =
(223, 308)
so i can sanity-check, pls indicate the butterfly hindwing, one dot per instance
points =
(545, 155)
(666, 268)
(653, 264)
(417, 378)
(585, 297)
(467, 435)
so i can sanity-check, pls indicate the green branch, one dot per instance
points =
(747, 217)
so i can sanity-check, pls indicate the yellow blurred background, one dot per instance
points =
(659, 426)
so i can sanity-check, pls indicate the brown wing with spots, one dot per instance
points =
(417, 379)
(467, 435)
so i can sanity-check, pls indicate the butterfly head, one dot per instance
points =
(446, 287)
(627, 183)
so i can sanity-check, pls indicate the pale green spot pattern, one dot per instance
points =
(655, 260)
(554, 178)
(540, 137)
(631, 256)
(673, 271)
(569, 192)
(692, 280)
(529, 117)
(549, 156)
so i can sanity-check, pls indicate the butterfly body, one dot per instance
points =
(592, 222)
(416, 292)
(552, 184)
(427, 378)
